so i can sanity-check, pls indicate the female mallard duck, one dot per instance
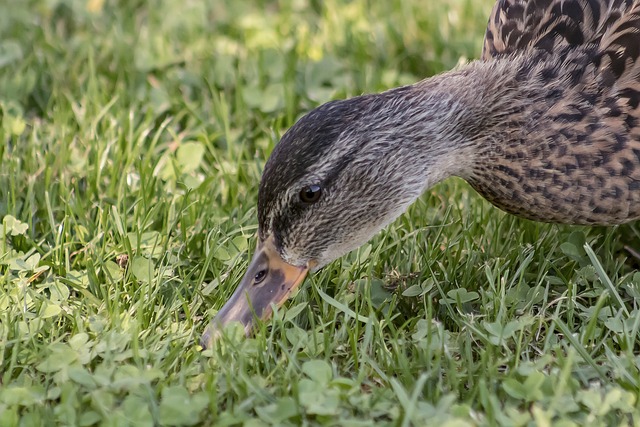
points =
(544, 126)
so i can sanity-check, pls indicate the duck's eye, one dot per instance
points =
(259, 277)
(310, 193)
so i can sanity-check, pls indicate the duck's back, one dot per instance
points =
(549, 25)
(573, 150)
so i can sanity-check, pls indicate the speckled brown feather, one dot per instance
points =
(520, 25)
(573, 151)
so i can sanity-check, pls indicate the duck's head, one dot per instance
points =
(337, 177)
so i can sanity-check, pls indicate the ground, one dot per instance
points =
(132, 139)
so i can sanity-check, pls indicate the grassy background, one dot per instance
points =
(132, 140)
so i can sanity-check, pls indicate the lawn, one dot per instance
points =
(133, 135)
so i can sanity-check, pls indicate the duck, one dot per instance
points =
(545, 125)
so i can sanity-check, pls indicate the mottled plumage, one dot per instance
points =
(545, 126)
(575, 154)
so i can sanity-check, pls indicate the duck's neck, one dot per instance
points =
(452, 120)
(503, 125)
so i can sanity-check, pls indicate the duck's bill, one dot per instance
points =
(268, 280)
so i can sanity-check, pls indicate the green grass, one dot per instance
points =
(132, 141)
